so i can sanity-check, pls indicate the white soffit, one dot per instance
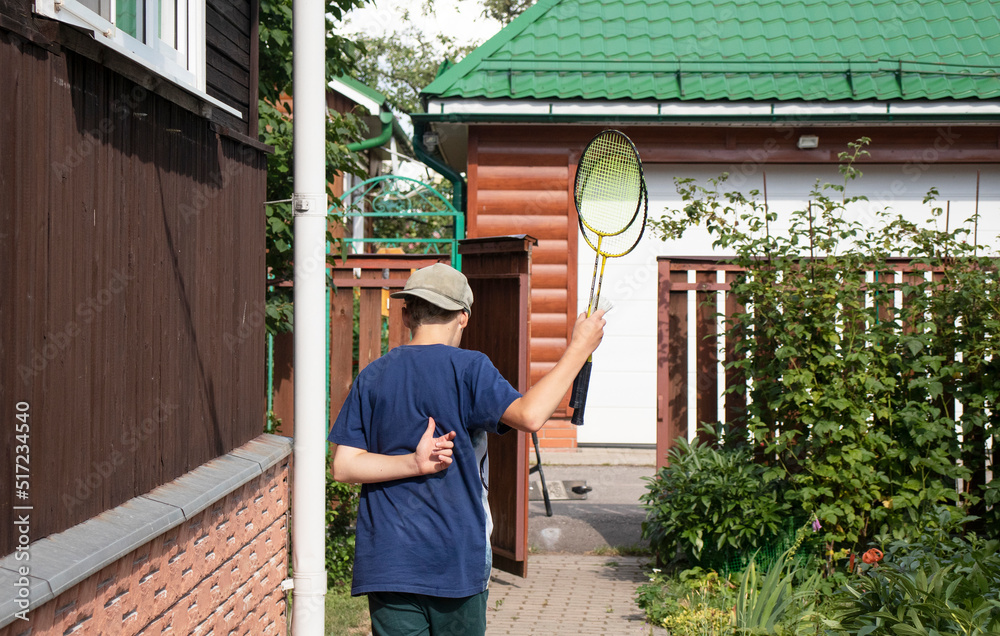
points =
(633, 109)
(814, 108)
(489, 107)
(947, 108)
(508, 107)
(715, 109)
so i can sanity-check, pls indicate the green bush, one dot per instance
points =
(851, 393)
(695, 602)
(708, 500)
(701, 603)
(938, 585)
(341, 514)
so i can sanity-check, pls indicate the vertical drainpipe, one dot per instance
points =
(449, 173)
(458, 183)
(309, 206)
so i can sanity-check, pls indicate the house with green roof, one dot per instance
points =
(749, 87)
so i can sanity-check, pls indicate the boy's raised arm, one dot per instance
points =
(358, 466)
(530, 412)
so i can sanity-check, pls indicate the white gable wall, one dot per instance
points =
(621, 406)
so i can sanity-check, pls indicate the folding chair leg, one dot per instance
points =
(538, 468)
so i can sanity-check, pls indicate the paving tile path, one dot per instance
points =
(569, 594)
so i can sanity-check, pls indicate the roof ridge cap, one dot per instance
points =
(489, 47)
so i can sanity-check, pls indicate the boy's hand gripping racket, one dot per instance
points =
(609, 192)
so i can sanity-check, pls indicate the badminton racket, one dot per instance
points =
(609, 191)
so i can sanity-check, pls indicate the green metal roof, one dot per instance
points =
(359, 92)
(736, 50)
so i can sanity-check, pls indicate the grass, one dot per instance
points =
(346, 614)
(621, 550)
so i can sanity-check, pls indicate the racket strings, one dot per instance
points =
(606, 247)
(620, 244)
(608, 184)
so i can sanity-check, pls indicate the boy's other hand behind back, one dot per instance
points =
(434, 454)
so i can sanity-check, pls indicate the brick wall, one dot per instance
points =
(557, 435)
(219, 572)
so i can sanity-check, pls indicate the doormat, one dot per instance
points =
(558, 490)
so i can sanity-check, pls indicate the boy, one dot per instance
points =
(413, 431)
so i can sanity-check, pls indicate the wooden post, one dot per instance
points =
(498, 271)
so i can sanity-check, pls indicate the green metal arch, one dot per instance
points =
(389, 200)
(369, 184)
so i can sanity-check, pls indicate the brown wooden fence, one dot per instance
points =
(370, 278)
(693, 351)
(375, 276)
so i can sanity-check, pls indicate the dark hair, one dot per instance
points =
(422, 312)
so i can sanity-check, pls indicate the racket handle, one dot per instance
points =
(578, 396)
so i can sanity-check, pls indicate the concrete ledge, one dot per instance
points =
(596, 456)
(60, 561)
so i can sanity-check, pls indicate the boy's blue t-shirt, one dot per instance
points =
(425, 535)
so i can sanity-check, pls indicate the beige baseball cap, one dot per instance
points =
(440, 285)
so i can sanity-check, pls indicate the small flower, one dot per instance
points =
(872, 556)
(817, 526)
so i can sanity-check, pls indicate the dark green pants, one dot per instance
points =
(397, 614)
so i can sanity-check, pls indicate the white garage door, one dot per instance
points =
(621, 406)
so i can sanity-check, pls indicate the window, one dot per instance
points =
(166, 36)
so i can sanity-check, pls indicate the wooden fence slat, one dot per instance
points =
(707, 353)
(341, 347)
(736, 402)
(677, 362)
(378, 282)
(398, 333)
(663, 379)
(369, 321)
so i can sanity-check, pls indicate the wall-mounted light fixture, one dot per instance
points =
(808, 141)
(431, 141)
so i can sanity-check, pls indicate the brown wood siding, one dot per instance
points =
(131, 297)
(919, 144)
(230, 47)
(17, 10)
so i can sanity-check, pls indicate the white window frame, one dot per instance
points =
(184, 66)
